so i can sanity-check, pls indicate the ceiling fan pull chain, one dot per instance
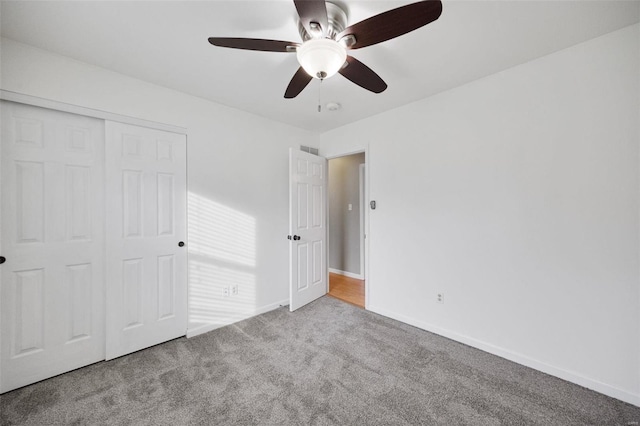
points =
(319, 96)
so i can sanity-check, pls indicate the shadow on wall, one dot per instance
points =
(222, 257)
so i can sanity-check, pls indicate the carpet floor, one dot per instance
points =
(327, 363)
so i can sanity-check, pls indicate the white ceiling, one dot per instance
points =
(165, 42)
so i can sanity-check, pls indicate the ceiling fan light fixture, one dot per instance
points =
(321, 58)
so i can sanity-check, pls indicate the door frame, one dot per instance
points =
(363, 208)
(364, 213)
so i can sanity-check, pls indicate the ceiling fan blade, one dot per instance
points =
(393, 23)
(312, 11)
(297, 84)
(363, 76)
(254, 44)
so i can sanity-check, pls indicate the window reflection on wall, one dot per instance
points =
(222, 255)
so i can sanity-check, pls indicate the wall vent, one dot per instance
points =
(308, 149)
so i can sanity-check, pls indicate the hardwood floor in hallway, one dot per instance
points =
(347, 289)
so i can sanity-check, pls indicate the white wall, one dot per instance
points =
(517, 197)
(237, 177)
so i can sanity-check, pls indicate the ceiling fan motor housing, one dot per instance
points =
(337, 21)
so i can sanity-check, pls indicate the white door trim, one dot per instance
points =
(363, 208)
(21, 98)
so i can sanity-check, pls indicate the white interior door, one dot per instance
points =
(308, 228)
(52, 236)
(146, 221)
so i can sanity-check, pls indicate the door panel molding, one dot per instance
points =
(307, 222)
(146, 218)
(52, 204)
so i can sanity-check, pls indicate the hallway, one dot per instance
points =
(347, 289)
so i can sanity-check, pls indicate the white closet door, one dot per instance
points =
(52, 236)
(146, 221)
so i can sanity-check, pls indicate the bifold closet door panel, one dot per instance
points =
(51, 233)
(145, 225)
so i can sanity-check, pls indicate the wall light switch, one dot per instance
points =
(350, 207)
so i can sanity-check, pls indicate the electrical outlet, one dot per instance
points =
(225, 291)
(440, 297)
(234, 290)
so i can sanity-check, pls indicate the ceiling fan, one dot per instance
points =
(326, 39)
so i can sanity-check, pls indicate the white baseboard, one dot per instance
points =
(204, 328)
(346, 274)
(567, 375)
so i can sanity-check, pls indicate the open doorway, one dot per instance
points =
(346, 231)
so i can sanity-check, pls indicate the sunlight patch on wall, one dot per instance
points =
(221, 232)
(222, 255)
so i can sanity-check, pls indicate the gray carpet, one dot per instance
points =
(328, 363)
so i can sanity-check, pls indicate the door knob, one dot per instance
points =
(296, 237)
(181, 244)
(2, 259)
